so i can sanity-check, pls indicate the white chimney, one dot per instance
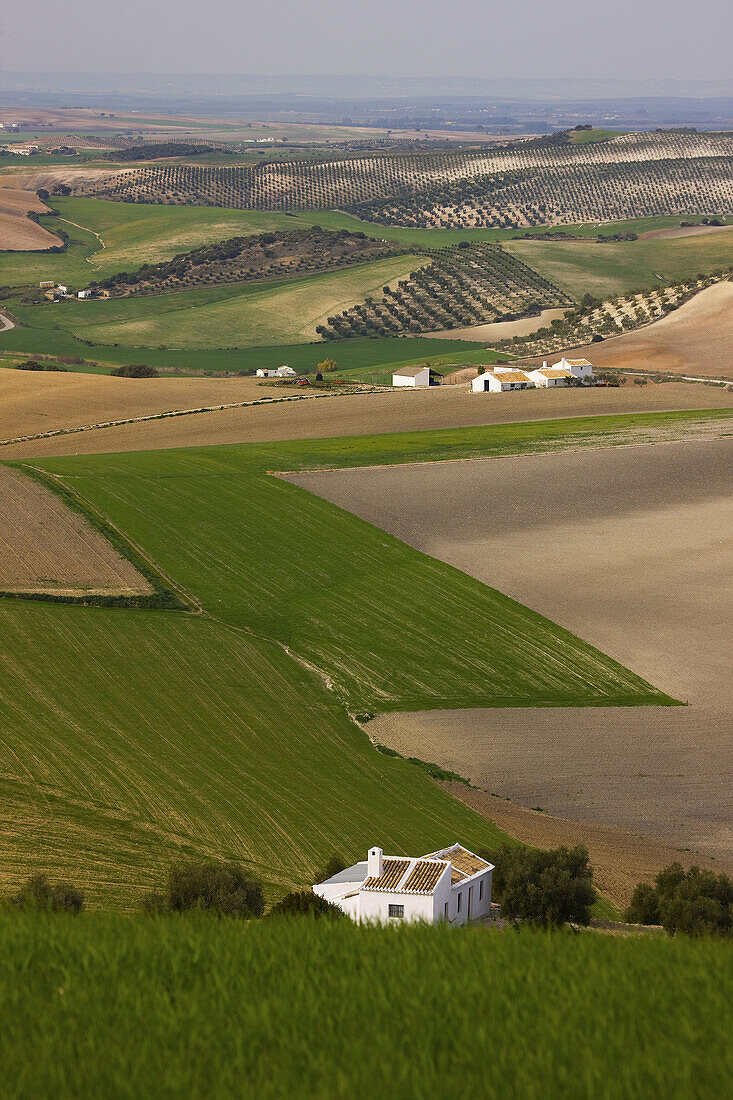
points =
(544, 364)
(375, 861)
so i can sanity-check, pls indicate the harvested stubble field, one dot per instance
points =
(629, 548)
(36, 403)
(695, 340)
(18, 232)
(45, 547)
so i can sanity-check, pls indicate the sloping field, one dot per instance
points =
(201, 736)
(18, 232)
(695, 340)
(608, 270)
(274, 313)
(46, 547)
(134, 738)
(627, 547)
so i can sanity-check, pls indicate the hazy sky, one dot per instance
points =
(628, 39)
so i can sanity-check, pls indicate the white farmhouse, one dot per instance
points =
(84, 294)
(579, 368)
(498, 379)
(285, 372)
(411, 376)
(451, 885)
(545, 377)
(263, 372)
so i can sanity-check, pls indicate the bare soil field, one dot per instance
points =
(17, 231)
(629, 548)
(46, 547)
(695, 340)
(31, 403)
(500, 330)
(684, 231)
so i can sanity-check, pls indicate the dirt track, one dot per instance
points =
(45, 547)
(33, 402)
(629, 548)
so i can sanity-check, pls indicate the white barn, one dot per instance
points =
(544, 377)
(411, 376)
(275, 372)
(579, 368)
(498, 379)
(451, 885)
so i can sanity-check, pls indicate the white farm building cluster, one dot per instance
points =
(276, 372)
(498, 379)
(452, 885)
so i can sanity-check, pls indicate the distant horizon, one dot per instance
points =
(617, 40)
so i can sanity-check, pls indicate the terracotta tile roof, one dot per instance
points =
(578, 362)
(423, 877)
(511, 376)
(464, 864)
(391, 876)
(554, 372)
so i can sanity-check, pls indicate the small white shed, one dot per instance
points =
(579, 368)
(411, 376)
(84, 294)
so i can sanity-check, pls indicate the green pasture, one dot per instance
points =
(587, 137)
(105, 1005)
(234, 316)
(129, 738)
(617, 268)
(356, 355)
(132, 234)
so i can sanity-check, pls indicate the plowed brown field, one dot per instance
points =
(18, 232)
(46, 547)
(629, 548)
(32, 403)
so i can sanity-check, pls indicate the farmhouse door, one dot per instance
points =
(470, 902)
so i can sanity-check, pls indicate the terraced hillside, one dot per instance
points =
(462, 286)
(518, 184)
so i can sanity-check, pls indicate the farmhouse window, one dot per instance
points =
(396, 910)
(481, 890)
(459, 902)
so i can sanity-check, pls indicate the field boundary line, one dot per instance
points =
(167, 594)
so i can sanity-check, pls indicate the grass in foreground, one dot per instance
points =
(105, 1006)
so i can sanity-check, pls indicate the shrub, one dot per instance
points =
(222, 888)
(694, 902)
(39, 893)
(30, 364)
(543, 887)
(304, 903)
(333, 865)
(134, 370)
